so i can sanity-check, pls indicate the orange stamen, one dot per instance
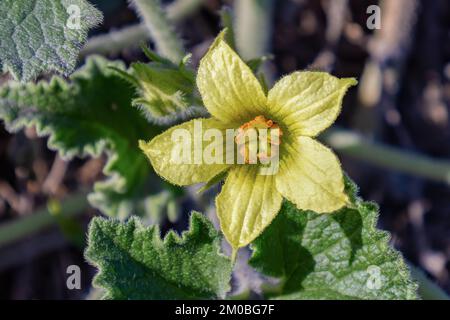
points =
(259, 122)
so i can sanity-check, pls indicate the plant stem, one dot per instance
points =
(428, 290)
(131, 36)
(253, 27)
(226, 21)
(179, 9)
(115, 41)
(354, 145)
(233, 257)
(253, 32)
(155, 19)
(41, 219)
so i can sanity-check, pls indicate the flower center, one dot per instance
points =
(258, 140)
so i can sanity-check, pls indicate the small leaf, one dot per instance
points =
(153, 56)
(332, 256)
(165, 90)
(256, 63)
(41, 36)
(226, 21)
(89, 115)
(135, 263)
(213, 181)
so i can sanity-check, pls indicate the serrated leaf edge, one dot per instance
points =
(169, 239)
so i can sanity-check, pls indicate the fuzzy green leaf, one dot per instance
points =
(331, 256)
(43, 35)
(165, 91)
(88, 115)
(135, 263)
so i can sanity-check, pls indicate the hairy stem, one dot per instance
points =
(155, 19)
(253, 27)
(179, 9)
(226, 21)
(115, 41)
(131, 36)
(355, 146)
(31, 224)
(428, 290)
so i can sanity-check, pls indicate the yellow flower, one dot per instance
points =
(301, 105)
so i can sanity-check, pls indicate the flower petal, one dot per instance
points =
(247, 204)
(308, 102)
(228, 87)
(167, 157)
(310, 176)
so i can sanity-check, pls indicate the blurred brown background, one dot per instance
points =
(403, 100)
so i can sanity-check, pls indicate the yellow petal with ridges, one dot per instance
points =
(310, 176)
(306, 103)
(169, 159)
(228, 87)
(247, 204)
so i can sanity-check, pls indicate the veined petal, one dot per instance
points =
(228, 87)
(308, 102)
(178, 156)
(247, 204)
(310, 176)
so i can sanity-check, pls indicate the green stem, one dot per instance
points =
(130, 37)
(115, 41)
(428, 290)
(41, 219)
(354, 145)
(234, 252)
(253, 30)
(180, 9)
(155, 19)
(253, 27)
(226, 21)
